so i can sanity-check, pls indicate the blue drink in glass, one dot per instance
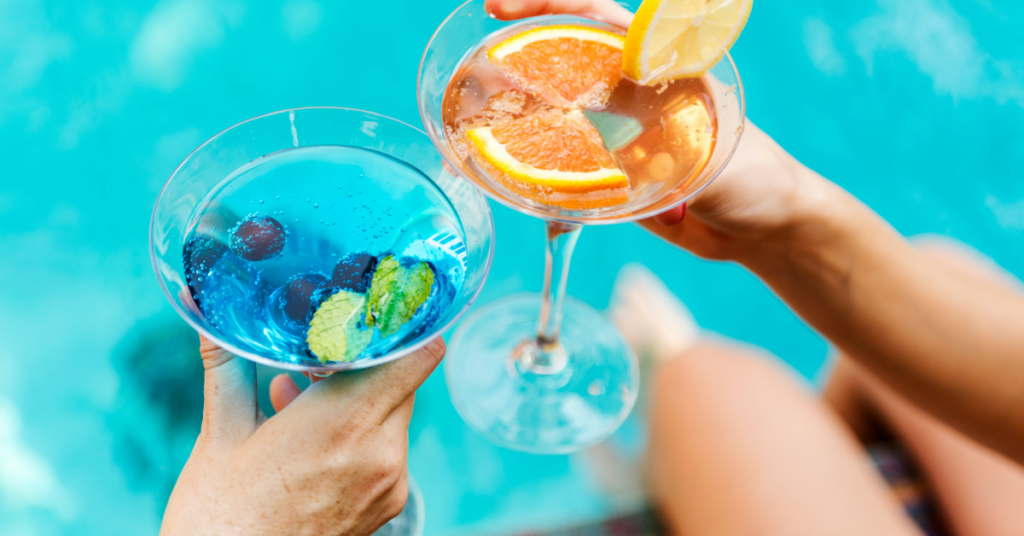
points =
(359, 245)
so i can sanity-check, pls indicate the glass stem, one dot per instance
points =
(547, 356)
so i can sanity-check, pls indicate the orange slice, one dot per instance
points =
(563, 65)
(552, 156)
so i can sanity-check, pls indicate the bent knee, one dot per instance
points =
(716, 370)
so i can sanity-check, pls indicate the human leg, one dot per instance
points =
(977, 491)
(738, 446)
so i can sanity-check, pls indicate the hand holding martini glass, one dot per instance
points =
(570, 120)
(321, 240)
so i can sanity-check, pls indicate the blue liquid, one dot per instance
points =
(333, 202)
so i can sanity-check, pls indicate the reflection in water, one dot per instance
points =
(159, 406)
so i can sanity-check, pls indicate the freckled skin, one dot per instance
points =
(331, 461)
(258, 238)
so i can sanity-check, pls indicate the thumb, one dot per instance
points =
(382, 389)
(230, 411)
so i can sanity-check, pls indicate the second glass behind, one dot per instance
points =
(540, 373)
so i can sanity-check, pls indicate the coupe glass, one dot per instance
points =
(219, 157)
(540, 373)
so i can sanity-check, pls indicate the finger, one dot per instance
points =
(397, 423)
(388, 505)
(671, 216)
(600, 10)
(382, 389)
(282, 391)
(693, 235)
(673, 233)
(399, 379)
(230, 411)
(667, 225)
(397, 497)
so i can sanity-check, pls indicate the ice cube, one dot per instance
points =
(617, 131)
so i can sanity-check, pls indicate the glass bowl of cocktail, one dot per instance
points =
(576, 122)
(320, 240)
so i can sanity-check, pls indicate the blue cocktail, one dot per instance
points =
(324, 254)
(320, 239)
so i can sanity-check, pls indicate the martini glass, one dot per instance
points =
(338, 179)
(542, 373)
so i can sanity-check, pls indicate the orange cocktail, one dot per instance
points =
(549, 116)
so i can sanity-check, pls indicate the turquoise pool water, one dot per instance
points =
(916, 106)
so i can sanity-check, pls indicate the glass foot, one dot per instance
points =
(504, 396)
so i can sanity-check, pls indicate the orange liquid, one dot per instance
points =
(660, 136)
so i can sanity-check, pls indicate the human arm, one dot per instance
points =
(951, 346)
(332, 462)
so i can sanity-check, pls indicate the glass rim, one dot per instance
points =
(357, 364)
(636, 216)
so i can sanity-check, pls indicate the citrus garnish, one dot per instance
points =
(547, 153)
(672, 39)
(563, 65)
(334, 333)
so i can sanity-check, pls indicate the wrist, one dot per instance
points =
(821, 225)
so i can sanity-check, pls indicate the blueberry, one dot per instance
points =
(199, 255)
(201, 252)
(257, 238)
(298, 295)
(354, 272)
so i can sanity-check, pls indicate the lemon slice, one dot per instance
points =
(547, 151)
(563, 65)
(672, 39)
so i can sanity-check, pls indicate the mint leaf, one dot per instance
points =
(396, 293)
(334, 333)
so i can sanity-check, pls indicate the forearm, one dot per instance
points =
(954, 347)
